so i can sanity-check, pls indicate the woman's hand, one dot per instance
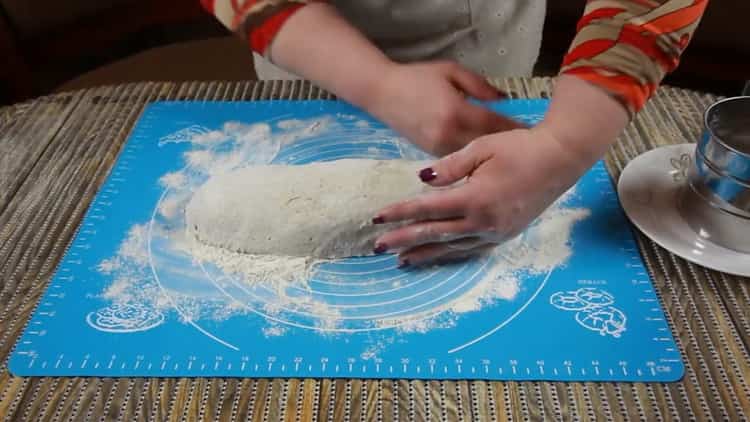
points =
(510, 178)
(500, 183)
(427, 103)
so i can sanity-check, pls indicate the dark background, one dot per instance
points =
(47, 45)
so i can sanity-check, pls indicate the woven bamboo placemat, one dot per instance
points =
(56, 151)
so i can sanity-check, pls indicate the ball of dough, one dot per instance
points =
(320, 210)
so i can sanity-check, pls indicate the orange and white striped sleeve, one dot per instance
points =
(628, 46)
(257, 21)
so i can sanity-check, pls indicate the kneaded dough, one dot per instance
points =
(320, 210)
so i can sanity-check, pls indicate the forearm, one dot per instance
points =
(256, 21)
(584, 119)
(621, 53)
(309, 38)
(318, 44)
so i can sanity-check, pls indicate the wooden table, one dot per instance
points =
(56, 151)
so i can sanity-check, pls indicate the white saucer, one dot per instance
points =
(648, 189)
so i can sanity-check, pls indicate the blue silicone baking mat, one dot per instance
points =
(569, 300)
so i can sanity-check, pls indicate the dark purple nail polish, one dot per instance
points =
(378, 220)
(380, 248)
(427, 174)
(404, 263)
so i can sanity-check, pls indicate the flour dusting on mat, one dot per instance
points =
(159, 266)
(277, 270)
(540, 249)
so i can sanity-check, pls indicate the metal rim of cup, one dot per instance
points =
(710, 198)
(720, 166)
(717, 150)
(700, 184)
(704, 203)
(713, 223)
(710, 130)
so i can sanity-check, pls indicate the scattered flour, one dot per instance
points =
(540, 249)
(173, 180)
(276, 270)
(274, 330)
(543, 247)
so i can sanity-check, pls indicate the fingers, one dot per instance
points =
(441, 205)
(483, 121)
(422, 233)
(444, 252)
(466, 122)
(454, 167)
(473, 84)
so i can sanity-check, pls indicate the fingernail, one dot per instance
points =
(427, 174)
(404, 263)
(380, 248)
(378, 220)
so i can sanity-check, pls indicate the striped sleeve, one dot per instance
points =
(257, 21)
(628, 46)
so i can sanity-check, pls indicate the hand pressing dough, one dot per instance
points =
(320, 210)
